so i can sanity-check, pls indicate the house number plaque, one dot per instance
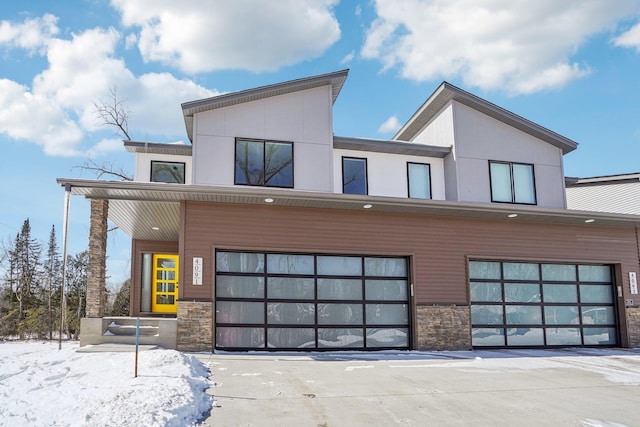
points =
(633, 283)
(197, 270)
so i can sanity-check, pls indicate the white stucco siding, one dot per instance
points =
(303, 118)
(387, 173)
(480, 138)
(143, 165)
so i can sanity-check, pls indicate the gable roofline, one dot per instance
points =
(390, 146)
(447, 92)
(335, 80)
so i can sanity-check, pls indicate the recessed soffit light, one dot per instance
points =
(268, 200)
(590, 220)
(155, 228)
(367, 206)
(512, 215)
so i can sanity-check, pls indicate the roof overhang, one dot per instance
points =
(174, 148)
(390, 146)
(151, 211)
(446, 93)
(335, 80)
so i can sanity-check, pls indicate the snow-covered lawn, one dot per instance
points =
(43, 386)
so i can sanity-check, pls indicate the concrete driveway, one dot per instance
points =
(483, 388)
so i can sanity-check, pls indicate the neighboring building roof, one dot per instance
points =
(151, 210)
(447, 92)
(335, 79)
(392, 147)
(612, 193)
(174, 148)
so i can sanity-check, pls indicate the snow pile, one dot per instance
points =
(41, 385)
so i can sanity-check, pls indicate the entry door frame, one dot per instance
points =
(165, 283)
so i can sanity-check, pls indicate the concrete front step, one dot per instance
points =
(122, 330)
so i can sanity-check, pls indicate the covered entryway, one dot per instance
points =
(524, 304)
(287, 301)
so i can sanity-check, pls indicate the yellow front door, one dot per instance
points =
(164, 298)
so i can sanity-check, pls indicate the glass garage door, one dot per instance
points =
(518, 304)
(279, 301)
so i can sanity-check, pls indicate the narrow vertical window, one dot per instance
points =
(419, 180)
(512, 183)
(354, 175)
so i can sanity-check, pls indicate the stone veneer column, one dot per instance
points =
(633, 326)
(443, 327)
(195, 326)
(96, 296)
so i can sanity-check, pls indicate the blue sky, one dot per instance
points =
(571, 66)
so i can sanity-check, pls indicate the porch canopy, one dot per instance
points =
(151, 211)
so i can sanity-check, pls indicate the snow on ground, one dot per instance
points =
(43, 386)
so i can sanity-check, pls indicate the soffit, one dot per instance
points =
(138, 207)
(446, 93)
(392, 147)
(189, 109)
(176, 148)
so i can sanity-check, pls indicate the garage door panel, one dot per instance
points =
(525, 304)
(311, 301)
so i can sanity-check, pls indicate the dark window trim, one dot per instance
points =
(366, 173)
(409, 181)
(513, 191)
(264, 141)
(184, 165)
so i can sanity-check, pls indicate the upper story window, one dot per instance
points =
(172, 172)
(512, 183)
(264, 163)
(354, 175)
(419, 180)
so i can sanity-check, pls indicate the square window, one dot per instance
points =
(171, 172)
(512, 183)
(354, 175)
(419, 180)
(264, 163)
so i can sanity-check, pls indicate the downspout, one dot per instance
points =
(65, 222)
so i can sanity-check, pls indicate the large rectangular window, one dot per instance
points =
(512, 183)
(264, 163)
(419, 180)
(354, 175)
(172, 172)
(524, 304)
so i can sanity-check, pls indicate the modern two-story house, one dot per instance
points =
(269, 232)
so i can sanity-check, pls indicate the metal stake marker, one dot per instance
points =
(137, 341)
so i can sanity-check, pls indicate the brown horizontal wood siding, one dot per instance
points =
(439, 246)
(139, 247)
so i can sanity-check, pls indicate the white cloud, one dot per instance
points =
(58, 111)
(518, 46)
(348, 57)
(630, 38)
(32, 34)
(391, 125)
(103, 147)
(255, 35)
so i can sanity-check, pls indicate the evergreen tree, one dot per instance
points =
(25, 259)
(121, 301)
(52, 278)
(76, 292)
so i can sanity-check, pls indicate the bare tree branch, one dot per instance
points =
(106, 168)
(113, 112)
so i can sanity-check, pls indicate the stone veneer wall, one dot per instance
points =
(96, 270)
(443, 327)
(195, 326)
(633, 326)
